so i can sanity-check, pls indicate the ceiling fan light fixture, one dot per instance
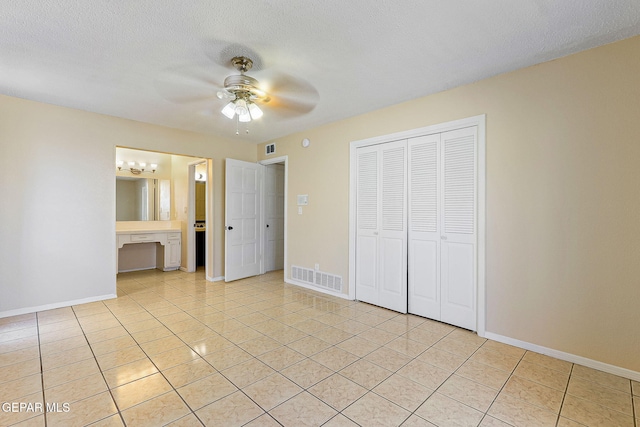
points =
(255, 111)
(229, 110)
(245, 117)
(241, 107)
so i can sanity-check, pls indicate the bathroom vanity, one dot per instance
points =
(158, 244)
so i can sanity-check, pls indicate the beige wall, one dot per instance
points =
(563, 198)
(57, 192)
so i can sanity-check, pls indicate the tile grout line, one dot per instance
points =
(486, 414)
(100, 369)
(44, 401)
(154, 364)
(564, 395)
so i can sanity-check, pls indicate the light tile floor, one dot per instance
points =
(176, 350)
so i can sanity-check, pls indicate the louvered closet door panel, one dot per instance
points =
(423, 233)
(367, 209)
(393, 230)
(459, 225)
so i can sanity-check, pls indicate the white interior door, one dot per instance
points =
(459, 227)
(424, 220)
(274, 217)
(367, 225)
(243, 231)
(381, 254)
(392, 276)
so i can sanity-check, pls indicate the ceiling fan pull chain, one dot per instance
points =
(237, 125)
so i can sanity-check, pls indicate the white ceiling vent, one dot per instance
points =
(270, 149)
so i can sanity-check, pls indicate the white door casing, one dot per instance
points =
(274, 217)
(243, 230)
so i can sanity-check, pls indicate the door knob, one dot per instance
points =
(229, 227)
(267, 225)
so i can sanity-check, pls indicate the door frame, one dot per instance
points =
(191, 219)
(480, 122)
(285, 161)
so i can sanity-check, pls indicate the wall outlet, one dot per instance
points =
(317, 267)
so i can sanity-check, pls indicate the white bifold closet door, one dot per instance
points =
(381, 254)
(443, 226)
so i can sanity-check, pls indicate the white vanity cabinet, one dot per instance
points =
(168, 248)
(172, 252)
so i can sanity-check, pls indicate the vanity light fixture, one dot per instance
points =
(136, 170)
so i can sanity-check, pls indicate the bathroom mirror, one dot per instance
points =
(142, 199)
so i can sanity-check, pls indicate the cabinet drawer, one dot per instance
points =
(173, 235)
(142, 237)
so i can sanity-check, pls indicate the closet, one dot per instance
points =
(416, 222)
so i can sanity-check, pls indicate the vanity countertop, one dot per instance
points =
(133, 227)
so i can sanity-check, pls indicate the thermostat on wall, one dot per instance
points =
(303, 199)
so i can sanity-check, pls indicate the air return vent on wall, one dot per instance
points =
(270, 148)
(317, 278)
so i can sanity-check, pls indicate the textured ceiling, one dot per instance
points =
(162, 61)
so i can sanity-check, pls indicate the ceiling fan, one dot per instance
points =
(283, 95)
(243, 91)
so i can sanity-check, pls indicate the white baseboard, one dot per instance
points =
(601, 366)
(28, 310)
(136, 269)
(215, 279)
(313, 288)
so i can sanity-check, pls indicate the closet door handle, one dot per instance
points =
(229, 228)
(443, 237)
(375, 233)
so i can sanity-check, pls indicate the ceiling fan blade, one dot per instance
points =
(290, 107)
(187, 84)
(290, 95)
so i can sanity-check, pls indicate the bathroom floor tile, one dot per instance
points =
(233, 410)
(592, 414)
(307, 373)
(373, 410)
(139, 391)
(403, 392)
(272, 391)
(534, 393)
(160, 410)
(472, 394)
(337, 391)
(443, 411)
(517, 412)
(303, 410)
(206, 390)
